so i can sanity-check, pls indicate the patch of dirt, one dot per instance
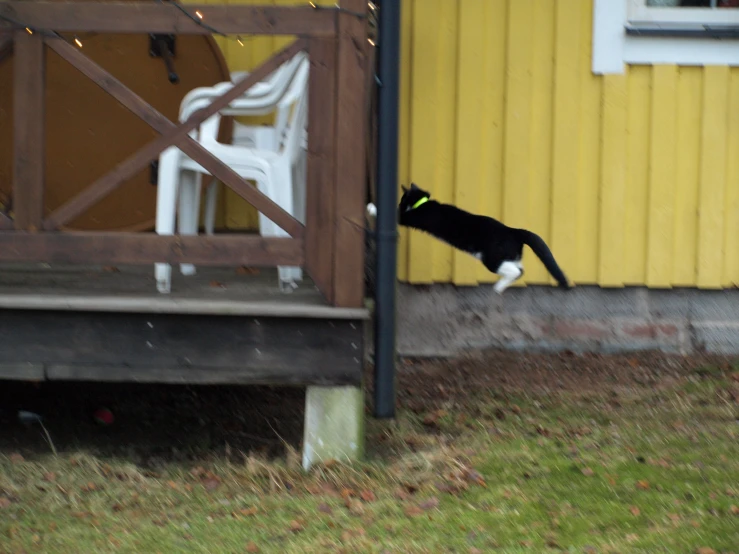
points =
(518, 373)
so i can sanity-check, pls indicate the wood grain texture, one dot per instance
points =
(151, 17)
(350, 157)
(171, 134)
(182, 349)
(5, 222)
(320, 201)
(613, 181)
(712, 187)
(146, 248)
(662, 174)
(28, 127)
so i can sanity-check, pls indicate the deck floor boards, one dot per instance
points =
(212, 291)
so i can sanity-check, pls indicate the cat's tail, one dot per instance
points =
(540, 248)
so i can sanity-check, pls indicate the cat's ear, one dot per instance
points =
(405, 189)
(414, 186)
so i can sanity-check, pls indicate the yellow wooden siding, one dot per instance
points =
(631, 179)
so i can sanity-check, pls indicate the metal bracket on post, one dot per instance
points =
(164, 46)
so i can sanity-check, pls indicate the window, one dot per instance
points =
(684, 32)
(683, 12)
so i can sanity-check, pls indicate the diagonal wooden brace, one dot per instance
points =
(171, 135)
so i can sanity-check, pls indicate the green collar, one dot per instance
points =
(421, 202)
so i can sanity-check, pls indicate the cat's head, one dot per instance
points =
(411, 196)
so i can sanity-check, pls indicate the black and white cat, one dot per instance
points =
(496, 245)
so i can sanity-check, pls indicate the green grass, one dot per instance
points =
(649, 471)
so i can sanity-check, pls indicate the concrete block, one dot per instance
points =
(717, 337)
(334, 425)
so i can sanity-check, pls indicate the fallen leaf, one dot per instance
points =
(429, 504)
(413, 511)
(217, 284)
(49, 476)
(252, 547)
(734, 509)
(4, 502)
(355, 506)
(347, 493)
(587, 472)
(52, 526)
(368, 496)
(705, 550)
(325, 509)
(171, 484)
(16, 457)
(211, 484)
(475, 476)
(246, 512)
(515, 409)
(674, 517)
(642, 485)
(634, 510)
(296, 526)
(243, 270)
(89, 487)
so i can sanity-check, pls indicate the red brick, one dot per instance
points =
(650, 330)
(581, 329)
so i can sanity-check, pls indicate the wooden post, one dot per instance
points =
(351, 131)
(28, 124)
(320, 217)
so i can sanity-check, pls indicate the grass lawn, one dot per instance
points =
(495, 453)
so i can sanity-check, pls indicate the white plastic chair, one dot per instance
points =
(271, 169)
(268, 91)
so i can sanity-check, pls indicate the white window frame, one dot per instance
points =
(614, 48)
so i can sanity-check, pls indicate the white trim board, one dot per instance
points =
(613, 48)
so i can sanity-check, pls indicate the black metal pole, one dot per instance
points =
(387, 200)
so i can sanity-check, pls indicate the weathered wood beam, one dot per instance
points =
(149, 248)
(171, 134)
(320, 201)
(28, 131)
(5, 222)
(165, 17)
(350, 182)
(6, 44)
(185, 348)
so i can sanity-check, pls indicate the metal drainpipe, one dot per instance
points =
(387, 200)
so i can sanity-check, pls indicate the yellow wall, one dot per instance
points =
(631, 179)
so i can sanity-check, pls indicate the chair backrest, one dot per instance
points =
(271, 89)
(291, 119)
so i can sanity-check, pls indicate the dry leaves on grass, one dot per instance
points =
(588, 472)
(4, 502)
(296, 526)
(245, 512)
(16, 458)
(705, 550)
(325, 509)
(642, 485)
(252, 548)
(634, 510)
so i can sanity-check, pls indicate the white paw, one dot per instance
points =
(371, 210)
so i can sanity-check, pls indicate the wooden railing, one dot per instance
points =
(331, 243)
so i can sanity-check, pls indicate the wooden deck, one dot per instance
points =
(132, 289)
(219, 326)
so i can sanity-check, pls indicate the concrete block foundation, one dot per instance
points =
(444, 320)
